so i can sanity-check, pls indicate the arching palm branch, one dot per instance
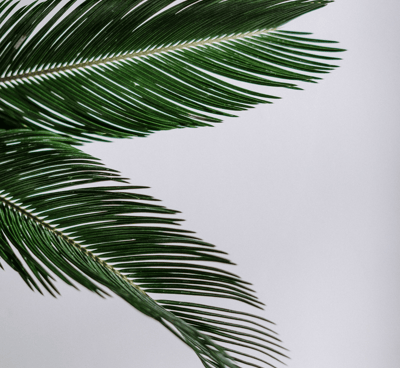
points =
(127, 68)
(95, 69)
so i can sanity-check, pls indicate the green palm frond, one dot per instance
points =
(128, 68)
(57, 221)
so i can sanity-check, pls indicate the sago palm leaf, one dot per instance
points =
(117, 68)
(58, 219)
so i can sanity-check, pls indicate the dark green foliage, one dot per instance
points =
(107, 70)
(98, 69)
(90, 233)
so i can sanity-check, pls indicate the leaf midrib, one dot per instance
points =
(132, 55)
(47, 226)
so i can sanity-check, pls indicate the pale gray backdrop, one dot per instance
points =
(303, 194)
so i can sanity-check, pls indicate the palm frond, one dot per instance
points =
(128, 68)
(56, 221)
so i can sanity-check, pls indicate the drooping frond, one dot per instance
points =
(55, 220)
(128, 68)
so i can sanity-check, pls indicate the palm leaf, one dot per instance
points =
(128, 68)
(59, 218)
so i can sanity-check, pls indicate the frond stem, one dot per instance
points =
(47, 226)
(131, 55)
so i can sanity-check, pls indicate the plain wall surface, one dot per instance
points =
(303, 195)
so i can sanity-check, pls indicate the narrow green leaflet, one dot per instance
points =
(113, 68)
(60, 218)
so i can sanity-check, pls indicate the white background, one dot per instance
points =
(302, 194)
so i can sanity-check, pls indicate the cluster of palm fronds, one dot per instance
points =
(95, 69)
